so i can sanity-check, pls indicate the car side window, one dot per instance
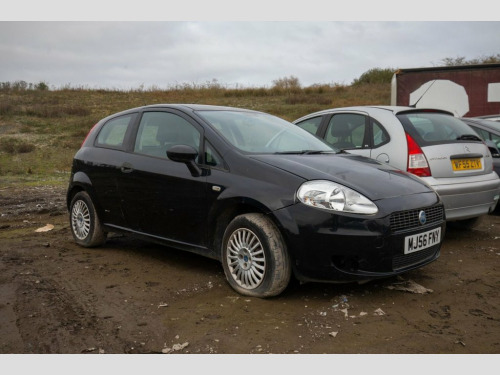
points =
(212, 157)
(311, 125)
(112, 134)
(346, 131)
(158, 131)
(380, 135)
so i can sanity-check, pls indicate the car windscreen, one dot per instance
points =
(257, 132)
(430, 128)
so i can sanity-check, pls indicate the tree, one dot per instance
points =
(461, 60)
(375, 75)
(42, 86)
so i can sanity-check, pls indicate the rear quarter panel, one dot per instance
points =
(395, 152)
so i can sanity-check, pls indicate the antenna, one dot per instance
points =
(415, 105)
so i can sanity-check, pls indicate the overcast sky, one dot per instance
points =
(242, 53)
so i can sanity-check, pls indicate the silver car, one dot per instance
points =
(489, 131)
(432, 144)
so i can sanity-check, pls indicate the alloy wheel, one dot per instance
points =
(246, 258)
(80, 220)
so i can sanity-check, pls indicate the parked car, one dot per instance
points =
(489, 131)
(432, 144)
(253, 191)
(495, 118)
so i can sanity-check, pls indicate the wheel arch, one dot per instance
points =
(81, 182)
(226, 211)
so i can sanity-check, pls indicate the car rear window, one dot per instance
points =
(429, 128)
(112, 134)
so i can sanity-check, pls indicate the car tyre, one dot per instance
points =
(84, 222)
(254, 256)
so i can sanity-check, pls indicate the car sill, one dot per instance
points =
(202, 250)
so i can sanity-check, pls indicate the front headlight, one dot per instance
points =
(335, 197)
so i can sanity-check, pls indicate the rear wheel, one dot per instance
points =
(254, 256)
(84, 222)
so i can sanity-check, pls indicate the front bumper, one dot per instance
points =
(332, 247)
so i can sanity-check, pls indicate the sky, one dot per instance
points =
(169, 45)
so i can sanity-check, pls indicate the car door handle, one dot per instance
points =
(126, 168)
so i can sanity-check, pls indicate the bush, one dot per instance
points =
(376, 75)
(15, 146)
(289, 85)
(42, 86)
(5, 108)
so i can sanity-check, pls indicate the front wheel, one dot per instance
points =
(254, 256)
(84, 222)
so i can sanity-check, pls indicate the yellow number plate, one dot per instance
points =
(466, 164)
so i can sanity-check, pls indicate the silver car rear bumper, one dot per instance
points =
(467, 197)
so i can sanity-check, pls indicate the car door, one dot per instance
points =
(161, 197)
(103, 166)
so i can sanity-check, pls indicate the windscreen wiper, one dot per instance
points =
(315, 152)
(469, 137)
(305, 152)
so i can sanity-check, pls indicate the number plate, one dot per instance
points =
(465, 164)
(422, 241)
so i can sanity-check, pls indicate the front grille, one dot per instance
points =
(404, 220)
(403, 261)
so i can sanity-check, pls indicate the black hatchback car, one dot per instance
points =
(258, 193)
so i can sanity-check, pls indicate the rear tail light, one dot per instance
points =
(417, 163)
(88, 135)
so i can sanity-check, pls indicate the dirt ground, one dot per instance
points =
(134, 297)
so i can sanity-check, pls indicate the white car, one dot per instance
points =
(432, 144)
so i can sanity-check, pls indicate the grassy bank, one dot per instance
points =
(40, 130)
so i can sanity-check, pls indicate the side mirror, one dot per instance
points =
(187, 155)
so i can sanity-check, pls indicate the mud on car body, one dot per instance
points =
(264, 197)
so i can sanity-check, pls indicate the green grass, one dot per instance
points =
(40, 130)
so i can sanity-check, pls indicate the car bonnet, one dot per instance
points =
(367, 176)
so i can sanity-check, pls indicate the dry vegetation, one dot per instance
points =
(41, 129)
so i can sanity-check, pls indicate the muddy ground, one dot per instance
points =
(134, 297)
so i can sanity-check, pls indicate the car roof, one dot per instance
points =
(488, 124)
(372, 109)
(182, 107)
(196, 107)
(494, 117)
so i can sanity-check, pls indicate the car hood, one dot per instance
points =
(367, 176)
